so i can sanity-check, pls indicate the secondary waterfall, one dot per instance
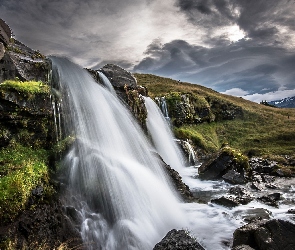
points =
(114, 181)
(162, 136)
(163, 106)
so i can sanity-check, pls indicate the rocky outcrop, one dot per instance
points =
(178, 240)
(126, 89)
(43, 225)
(188, 108)
(265, 235)
(178, 184)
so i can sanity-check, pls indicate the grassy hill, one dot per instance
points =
(259, 130)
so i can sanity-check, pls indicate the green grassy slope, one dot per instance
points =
(263, 130)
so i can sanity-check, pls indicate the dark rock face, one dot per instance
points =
(118, 76)
(178, 240)
(272, 234)
(179, 185)
(234, 177)
(26, 119)
(226, 201)
(216, 167)
(43, 224)
(271, 199)
(22, 62)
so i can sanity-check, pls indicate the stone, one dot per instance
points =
(179, 185)
(178, 240)
(243, 196)
(216, 167)
(233, 177)
(226, 201)
(271, 199)
(265, 235)
(118, 76)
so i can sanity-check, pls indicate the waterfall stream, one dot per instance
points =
(162, 136)
(114, 180)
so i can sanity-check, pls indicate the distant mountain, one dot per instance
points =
(284, 103)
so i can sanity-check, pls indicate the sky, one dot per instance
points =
(237, 47)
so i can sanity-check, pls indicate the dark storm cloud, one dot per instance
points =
(259, 19)
(245, 65)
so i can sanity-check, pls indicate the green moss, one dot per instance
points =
(21, 169)
(29, 87)
(240, 160)
(204, 137)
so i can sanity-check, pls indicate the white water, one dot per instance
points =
(107, 83)
(162, 136)
(114, 180)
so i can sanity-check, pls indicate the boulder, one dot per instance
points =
(233, 177)
(266, 235)
(178, 240)
(226, 201)
(216, 167)
(271, 199)
(243, 196)
(118, 76)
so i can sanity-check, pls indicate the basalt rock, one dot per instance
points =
(234, 177)
(178, 240)
(265, 235)
(179, 185)
(216, 167)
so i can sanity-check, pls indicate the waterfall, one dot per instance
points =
(106, 82)
(113, 179)
(163, 106)
(162, 136)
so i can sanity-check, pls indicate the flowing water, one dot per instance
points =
(115, 182)
(162, 136)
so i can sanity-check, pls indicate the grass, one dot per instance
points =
(21, 170)
(262, 130)
(29, 87)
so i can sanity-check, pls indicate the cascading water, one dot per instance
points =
(114, 180)
(163, 106)
(162, 136)
(106, 82)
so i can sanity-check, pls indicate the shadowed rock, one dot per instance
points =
(273, 234)
(178, 240)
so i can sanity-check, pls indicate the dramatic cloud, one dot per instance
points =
(232, 46)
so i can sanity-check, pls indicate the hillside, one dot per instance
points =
(252, 128)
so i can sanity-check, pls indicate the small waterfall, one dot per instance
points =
(162, 136)
(189, 151)
(161, 101)
(106, 82)
(114, 180)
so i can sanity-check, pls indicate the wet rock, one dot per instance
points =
(271, 199)
(273, 234)
(43, 223)
(256, 214)
(242, 195)
(291, 211)
(226, 201)
(179, 185)
(262, 165)
(216, 167)
(178, 240)
(118, 76)
(243, 247)
(234, 177)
